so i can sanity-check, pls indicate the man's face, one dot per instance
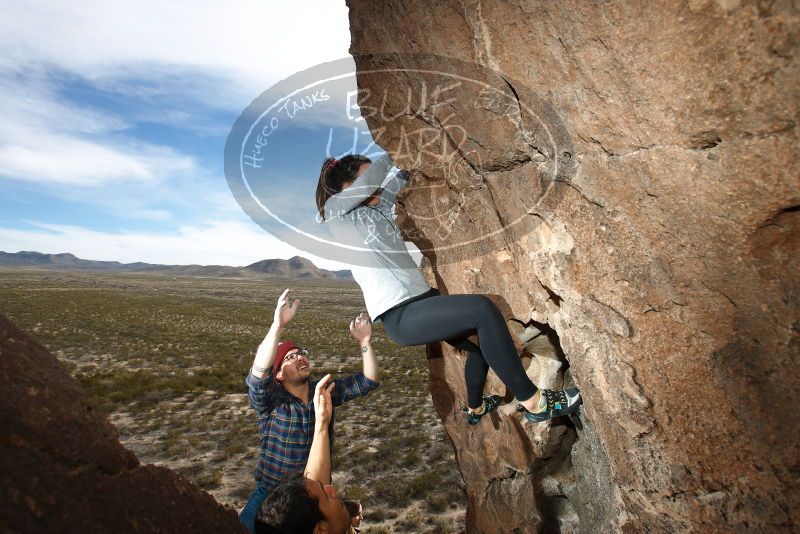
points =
(337, 518)
(295, 367)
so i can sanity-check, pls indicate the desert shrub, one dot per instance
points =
(412, 457)
(174, 446)
(208, 479)
(440, 525)
(425, 483)
(455, 491)
(107, 391)
(191, 471)
(412, 522)
(355, 492)
(374, 514)
(243, 491)
(232, 450)
(393, 492)
(437, 502)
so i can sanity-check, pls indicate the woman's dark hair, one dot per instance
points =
(289, 508)
(334, 173)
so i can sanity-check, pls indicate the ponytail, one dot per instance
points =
(334, 173)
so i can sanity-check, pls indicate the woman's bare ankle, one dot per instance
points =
(479, 410)
(532, 404)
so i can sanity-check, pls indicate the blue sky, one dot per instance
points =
(115, 116)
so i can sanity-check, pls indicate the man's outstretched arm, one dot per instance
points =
(361, 330)
(318, 466)
(268, 348)
(359, 384)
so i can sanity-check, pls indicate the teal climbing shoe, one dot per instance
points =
(490, 404)
(559, 402)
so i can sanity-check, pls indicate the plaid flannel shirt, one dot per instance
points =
(286, 424)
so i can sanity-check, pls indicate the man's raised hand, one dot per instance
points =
(318, 466)
(361, 329)
(283, 311)
(323, 406)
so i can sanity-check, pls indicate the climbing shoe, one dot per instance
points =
(490, 404)
(559, 402)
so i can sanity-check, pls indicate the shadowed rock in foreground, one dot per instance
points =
(622, 178)
(63, 469)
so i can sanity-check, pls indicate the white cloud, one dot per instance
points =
(220, 243)
(199, 53)
(29, 97)
(253, 42)
(45, 139)
(174, 60)
(66, 160)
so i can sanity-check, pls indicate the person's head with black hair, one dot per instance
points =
(355, 510)
(338, 174)
(303, 506)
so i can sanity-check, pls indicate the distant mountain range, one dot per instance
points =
(296, 268)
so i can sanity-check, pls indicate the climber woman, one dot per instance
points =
(359, 212)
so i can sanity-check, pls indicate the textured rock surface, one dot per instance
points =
(622, 177)
(62, 468)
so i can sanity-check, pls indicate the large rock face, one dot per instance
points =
(62, 468)
(622, 179)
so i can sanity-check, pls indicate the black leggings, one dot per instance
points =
(451, 318)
